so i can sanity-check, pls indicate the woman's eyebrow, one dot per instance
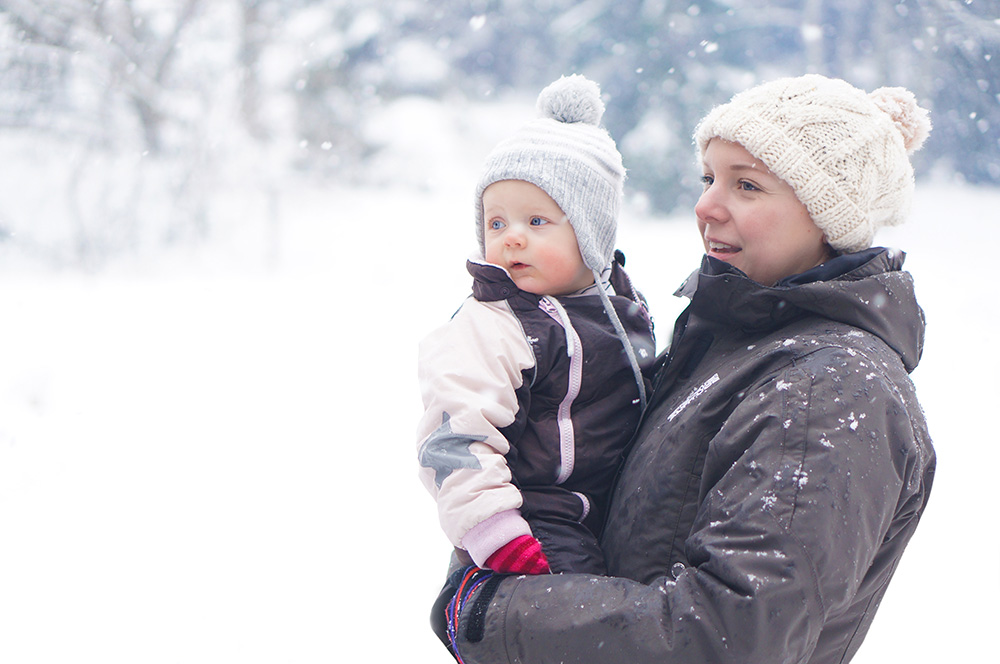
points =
(751, 167)
(756, 167)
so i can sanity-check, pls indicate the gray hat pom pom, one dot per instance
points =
(572, 99)
(912, 121)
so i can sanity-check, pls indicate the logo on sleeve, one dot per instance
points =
(698, 391)
(445, 451)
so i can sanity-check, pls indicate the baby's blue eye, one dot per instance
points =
(496, 224)
(538, 221)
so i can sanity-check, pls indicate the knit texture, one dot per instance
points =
(844, 152)
(522, 555)
(568, 155)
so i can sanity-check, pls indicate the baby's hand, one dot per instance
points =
(521, 555)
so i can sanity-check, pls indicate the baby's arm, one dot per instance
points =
(472, 375)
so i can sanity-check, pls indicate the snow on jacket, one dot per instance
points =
(781, 468)
(529, 403)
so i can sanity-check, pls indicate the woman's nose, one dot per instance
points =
(711, 206)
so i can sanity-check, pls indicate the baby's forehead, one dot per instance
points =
(514, 192)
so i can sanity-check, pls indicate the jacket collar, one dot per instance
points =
(491, 282)
(867, 290)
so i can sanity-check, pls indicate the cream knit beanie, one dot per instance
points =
(569, 156)
(844, 152)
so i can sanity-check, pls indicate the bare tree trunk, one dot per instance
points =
(141, 64)
(252, 40)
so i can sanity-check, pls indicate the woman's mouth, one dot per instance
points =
(721, 248)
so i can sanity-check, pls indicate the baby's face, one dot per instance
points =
(527, 234)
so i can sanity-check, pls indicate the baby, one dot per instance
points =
(534, 388)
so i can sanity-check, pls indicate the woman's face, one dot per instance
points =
(751, 218)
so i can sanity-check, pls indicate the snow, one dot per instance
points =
(206, 456)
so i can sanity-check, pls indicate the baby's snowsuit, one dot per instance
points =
(530, 402)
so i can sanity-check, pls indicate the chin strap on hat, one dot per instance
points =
(623, 335)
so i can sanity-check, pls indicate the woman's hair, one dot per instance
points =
(843, 151)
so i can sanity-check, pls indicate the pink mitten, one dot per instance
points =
(521, 555)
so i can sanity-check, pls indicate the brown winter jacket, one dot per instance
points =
(780, 470)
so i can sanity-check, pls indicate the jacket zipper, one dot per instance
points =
(567, 437)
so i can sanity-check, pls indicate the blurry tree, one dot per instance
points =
(99, 77)
(942, 50)
(664, 63)
(159, 106)
(138, 57)
(960, 46)
(671, 61)
(85, 55)
(355, 57)
(253, 39)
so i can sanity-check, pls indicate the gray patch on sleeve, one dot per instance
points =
(445, 451)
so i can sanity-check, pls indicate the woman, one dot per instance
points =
(783, 461)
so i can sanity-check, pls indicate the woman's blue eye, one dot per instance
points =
(538, 221)
(707, 180)
(748, 186)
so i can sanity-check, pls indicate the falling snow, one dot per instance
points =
(188, 435)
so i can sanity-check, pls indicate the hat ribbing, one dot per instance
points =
(568, 155)
(844, 152)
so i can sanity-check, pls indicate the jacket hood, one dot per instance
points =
(868, 290)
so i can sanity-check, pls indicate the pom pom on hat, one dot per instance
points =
(913, 122)
(572, 99)
(844, 152)
(568, 155)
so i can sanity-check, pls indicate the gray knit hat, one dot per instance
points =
(569, 156)
(844, 152)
